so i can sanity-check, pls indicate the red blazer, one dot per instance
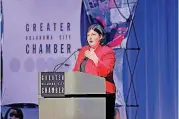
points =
(104, 67)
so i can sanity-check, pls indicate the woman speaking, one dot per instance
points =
(98, 59)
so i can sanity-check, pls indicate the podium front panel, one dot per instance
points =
(72, 108)
(82, 83)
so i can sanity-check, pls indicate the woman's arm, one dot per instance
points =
(76, 64)
(106, 63)
(80, 56)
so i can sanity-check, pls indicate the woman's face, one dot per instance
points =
(93, 38)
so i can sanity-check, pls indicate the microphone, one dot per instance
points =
(61, 64)
(86, 58)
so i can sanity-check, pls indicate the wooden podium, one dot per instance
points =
(71, 95)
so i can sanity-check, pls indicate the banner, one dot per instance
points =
(118, 79)
(38, 34)
(115, 16)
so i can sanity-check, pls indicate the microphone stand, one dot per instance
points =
(61, 64)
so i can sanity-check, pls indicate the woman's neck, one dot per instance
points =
(94, 47)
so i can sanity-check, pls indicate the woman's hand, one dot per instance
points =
(92, 55)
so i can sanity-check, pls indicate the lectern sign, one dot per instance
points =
(52, 84)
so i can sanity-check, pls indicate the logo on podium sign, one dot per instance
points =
(52, 84)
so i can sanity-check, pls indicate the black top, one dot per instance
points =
(83, 64)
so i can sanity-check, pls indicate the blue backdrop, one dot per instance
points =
(155, 77)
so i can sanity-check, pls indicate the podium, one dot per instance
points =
(71, 95)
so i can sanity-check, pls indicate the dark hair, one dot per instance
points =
(14, 112)
(99, 29)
